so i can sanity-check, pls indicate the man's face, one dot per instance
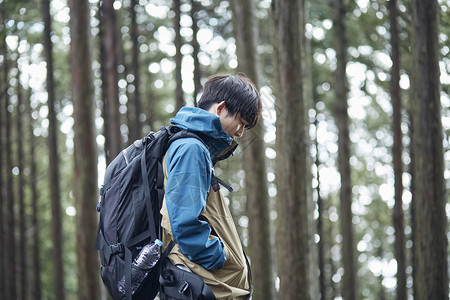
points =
(234, 126)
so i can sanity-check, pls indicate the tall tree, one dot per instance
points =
(179, 101)
(21, 192)
(9, 191)
(135, 123)
(430, 230)
(3, 262)
(397, 153)
(291, 160)
(253, 159)
(85, 150)
(35, 284)
(195, 50)
(349, 287)
(53, 159)
(109, 28)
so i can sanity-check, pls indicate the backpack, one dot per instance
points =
(130, 203)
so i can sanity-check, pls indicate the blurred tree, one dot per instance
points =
(291, 161)
(253, 158)
(350, 286)
(85, 188)
(110, 52)
(430, 228)
(35, 284)
(135, 105)
(179, 101)
(54, 176)
(3, 225)
(397, 153)
(10, 265)
(22, 242)
(195, 6)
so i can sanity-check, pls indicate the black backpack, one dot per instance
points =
(130, 204)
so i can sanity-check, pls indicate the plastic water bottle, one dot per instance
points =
(144, 261)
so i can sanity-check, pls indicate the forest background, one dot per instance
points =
(340, 192)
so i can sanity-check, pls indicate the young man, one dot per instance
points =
(195, 216)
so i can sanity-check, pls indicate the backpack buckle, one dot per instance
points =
(116, 248)
(183, 287)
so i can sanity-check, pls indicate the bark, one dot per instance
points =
(291, 161)
(349, 285)
(253, 159)
(430, 231)
(399, 246)
(179, 101)
(111, 76)
(57, 225)
(135, 123)
(35, 284)
(85, 151)
(9, 191)
(195, 50)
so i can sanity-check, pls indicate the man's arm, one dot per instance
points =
(188, 183)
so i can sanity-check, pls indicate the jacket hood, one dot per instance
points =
(207, 125)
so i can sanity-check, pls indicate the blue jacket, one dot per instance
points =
(189, 166)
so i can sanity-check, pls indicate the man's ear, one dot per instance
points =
(220, 108)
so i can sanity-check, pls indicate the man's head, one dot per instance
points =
(235, 99)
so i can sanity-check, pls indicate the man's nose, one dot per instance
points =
(240, 131)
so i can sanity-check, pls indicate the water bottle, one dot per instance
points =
(144, 261)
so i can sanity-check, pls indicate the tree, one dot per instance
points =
(21, 193)
(10, 265)
(397, 153)
(291, 160)
(53, 159)
(35, 284)
(179, 101)
(113, 136)
(349, 288)
(3, 252)
(253, 159)
(135, 123)
(430, 228)
(195, 50)
(85, 150)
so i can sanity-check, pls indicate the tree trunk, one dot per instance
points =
(195, 50)
(9, 195)
(430, 231)
(179, 101)
(291, 161)
(57, 224)
(349, 286)
(20, 189)
(253, 159)
(85, 151)
(134, 121)
(399, 245)
(101, 59)
(35, 284)
(320, 210)
(111, 76)
(3, 263)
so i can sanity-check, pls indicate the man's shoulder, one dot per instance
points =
(188, 144)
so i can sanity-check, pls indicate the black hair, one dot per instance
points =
(239, 93)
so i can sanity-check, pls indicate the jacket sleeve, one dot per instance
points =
(189, 179)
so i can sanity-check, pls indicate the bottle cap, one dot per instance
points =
(158, 242)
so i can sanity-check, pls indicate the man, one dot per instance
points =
(195, 216)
